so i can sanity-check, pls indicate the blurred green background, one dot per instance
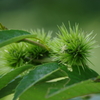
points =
(47, 14)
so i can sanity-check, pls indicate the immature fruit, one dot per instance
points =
(73, 47)
(18, 54)
(15, 55)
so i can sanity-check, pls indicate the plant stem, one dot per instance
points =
(45, 60)
(36, 43)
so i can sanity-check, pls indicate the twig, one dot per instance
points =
(35, 43)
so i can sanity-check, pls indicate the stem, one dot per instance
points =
(45, 60)
(36, 43)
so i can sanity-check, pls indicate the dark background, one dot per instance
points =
(47, 14)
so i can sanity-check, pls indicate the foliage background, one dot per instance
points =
(47, 14)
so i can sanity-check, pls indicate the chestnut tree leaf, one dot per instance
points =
(11, 36)
(34, 76)
(4, 80)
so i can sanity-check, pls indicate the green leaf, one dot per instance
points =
(78, 89)
(77, 75)
(39, 73)
(10, 36)
(4, 80)
(39, 91)
(10, 88)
